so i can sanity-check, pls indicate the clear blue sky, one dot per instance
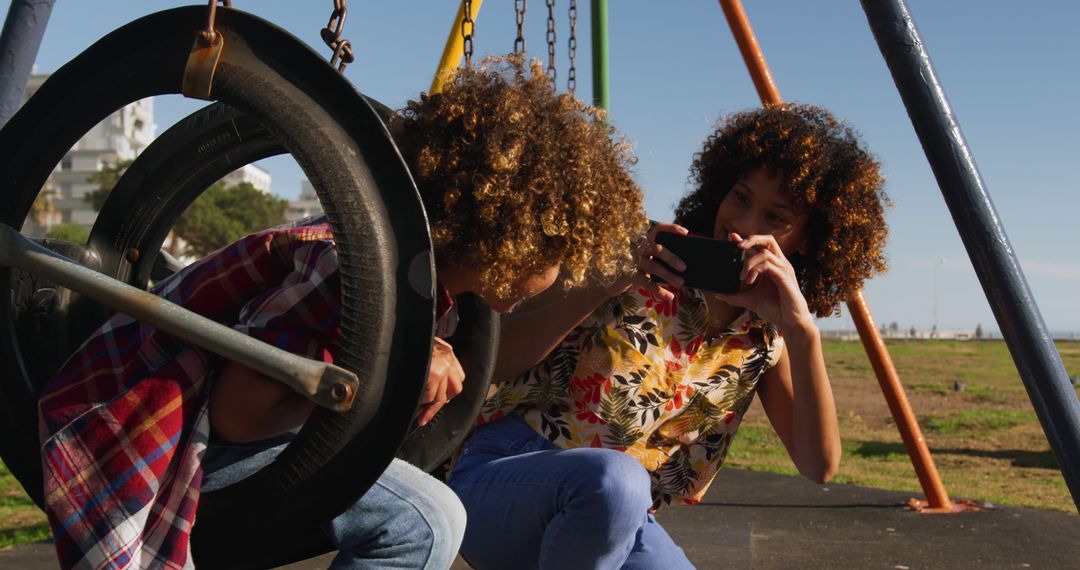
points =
(1010, 69)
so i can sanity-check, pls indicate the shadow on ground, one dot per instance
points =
(1016, 457)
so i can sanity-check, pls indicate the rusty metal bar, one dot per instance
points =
(327, 385)
(937, 498)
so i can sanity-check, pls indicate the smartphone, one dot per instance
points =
(711, 264)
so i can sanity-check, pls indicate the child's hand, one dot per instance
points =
(445, 379)
(770, 287)
(646, 254)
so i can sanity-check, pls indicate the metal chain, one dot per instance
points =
(209, 35)
(331, 34)
(519, 11)
(571, 48)
(467, 27)
(551, 39)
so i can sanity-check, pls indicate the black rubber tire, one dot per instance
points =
(476, 344)
(165, 179)
(270, 518)
(197, 151)
(168, 176)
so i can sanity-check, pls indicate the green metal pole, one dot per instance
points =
(600, 54)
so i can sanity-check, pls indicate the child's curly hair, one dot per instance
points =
(825, 169)
(516, 178)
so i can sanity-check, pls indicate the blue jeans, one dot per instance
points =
(533, 505)
(407, 519)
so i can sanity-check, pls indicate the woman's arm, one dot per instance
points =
(798, 399)
(528, 335)
(796, 393)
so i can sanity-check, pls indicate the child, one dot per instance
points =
(517, 183)
(608, 414)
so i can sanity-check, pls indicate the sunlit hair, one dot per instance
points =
(516, 178)
(826, 171)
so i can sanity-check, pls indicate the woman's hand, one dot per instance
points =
(648, 254)
(445, 379)
(770, 287)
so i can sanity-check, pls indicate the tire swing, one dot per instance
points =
(271, 517)
(170, 174)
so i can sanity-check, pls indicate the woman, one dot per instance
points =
(625, 398)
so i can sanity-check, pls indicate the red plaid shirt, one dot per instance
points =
(124, 422)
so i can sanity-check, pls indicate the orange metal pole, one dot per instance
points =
(925, 470)
(936, 496)
(751, 52)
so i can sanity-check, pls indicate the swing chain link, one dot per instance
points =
(209, 36)
(467, 28)
(551, 38)
(331, 34)
(571, 48)
(519, 12)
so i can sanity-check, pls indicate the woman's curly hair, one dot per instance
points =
(827, 172)
(516, 178)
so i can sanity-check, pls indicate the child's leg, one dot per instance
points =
(225, 463)
(552, 508)
(407, 519)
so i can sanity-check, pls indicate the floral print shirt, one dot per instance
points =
(642, 376)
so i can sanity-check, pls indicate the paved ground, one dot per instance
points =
(764, 521)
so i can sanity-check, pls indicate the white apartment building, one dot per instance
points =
(306, 204)
(251, 173)
(121, 136)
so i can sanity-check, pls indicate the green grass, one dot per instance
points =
(880, 451)
(21, 522)
(985, 440)
(982, 421)
(758, 448)
(985, 394)
(21, 536)
(929, 389)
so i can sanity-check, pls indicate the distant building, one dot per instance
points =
(307, 204)
(911, 334)
(121, 136)
(255, 175)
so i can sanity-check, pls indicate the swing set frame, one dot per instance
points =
(1040, 366)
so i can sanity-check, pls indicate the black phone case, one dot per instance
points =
(711, 264)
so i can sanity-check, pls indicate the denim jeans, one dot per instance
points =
(533, 505)
(407, 519)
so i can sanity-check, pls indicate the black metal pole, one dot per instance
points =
(1031, 346)
(23, 29)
